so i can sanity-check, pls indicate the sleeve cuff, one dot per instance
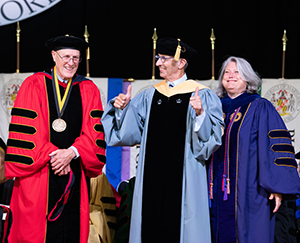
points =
(198, 121)
(75, 151)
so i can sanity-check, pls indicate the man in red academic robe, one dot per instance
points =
(56, 143)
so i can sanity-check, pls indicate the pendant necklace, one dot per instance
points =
(60, 125)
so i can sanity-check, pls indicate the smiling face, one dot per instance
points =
(66, 70)
(232, 81)
(170, 69)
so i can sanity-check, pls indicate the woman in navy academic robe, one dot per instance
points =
(255, 164)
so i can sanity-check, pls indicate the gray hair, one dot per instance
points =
(246, 72)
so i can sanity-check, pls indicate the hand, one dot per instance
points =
(122, 100)
(61, 159)
(65, 171)
(196, 103)
(278, 198)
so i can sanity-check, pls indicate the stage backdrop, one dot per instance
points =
(121, 162)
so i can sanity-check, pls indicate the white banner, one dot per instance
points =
(12, 11)
(9, 87)
(284, 94)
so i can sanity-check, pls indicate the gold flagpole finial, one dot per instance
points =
(284, 40)
(154, 38)
(212, 39)
(18, 35)
(86, 37)
(18, 31)
(86, 34)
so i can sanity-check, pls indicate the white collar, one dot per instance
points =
(178, 81)
(61, 80)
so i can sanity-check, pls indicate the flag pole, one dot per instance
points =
(154, 37)
(212, 38)
(86, 36)
(284, 40)
(18, 47)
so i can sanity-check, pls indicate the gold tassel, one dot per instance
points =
(228, 185)
(211, 190)
(178, 50)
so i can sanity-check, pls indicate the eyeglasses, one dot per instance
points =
(162, 58)
(67, 58)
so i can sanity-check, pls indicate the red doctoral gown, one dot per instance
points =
(28, 155)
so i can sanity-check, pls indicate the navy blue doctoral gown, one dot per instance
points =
(261, 161)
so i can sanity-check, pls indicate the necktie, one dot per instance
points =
(171, 85)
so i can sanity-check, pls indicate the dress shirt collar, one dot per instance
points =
(61, 80)
(178, 81)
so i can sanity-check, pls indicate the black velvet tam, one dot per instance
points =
(168, 46)
(66, 42)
